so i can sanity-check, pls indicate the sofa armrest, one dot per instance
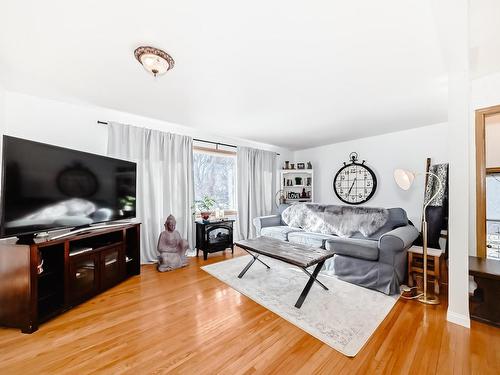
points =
(394, 241)
(266, 221)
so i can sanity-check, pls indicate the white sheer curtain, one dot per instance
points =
(164, 180)
(256, 187)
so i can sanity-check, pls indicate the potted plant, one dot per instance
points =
(127, 204)
(205, 206)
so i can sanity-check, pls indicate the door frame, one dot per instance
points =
(481, 115)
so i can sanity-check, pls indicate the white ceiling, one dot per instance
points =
(289, 73)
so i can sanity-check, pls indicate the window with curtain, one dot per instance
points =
(215, 177)
(493, 215)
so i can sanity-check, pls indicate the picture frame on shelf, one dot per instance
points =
(301, 166)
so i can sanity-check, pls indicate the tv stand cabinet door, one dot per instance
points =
(112, 266)
(18, 307)
(83, 277)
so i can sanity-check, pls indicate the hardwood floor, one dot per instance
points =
(188, 322)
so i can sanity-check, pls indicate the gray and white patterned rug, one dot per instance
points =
(343, 317)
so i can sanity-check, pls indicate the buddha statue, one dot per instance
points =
(172, 247)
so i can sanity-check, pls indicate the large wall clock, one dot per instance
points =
(354, 183)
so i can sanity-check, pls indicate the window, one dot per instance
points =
(215, 176)
(493, 215)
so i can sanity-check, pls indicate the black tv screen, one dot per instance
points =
(47, 187)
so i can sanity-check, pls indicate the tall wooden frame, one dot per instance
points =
(481, 115)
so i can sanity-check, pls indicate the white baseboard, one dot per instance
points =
(459, 319)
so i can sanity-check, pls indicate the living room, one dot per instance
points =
(240, 188)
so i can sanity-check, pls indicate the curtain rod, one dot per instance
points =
(194, 139)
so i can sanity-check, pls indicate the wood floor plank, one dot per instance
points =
(187, 322)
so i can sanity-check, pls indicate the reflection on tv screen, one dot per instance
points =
(47, 187)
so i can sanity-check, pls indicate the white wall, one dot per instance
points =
(2, 109)
(384, 153)
(75, 126)
(452, 25)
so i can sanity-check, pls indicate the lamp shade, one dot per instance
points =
(154, 60)
(154, 64)
(404, 178)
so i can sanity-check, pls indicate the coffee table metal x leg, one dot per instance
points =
(254, 258)
(319, 282)
(310, 282)
(307, 288)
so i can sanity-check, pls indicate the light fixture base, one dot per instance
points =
(154, 60)
(429, 299)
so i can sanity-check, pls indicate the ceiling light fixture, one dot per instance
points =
(154, 60)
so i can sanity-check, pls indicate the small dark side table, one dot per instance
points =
(213, 236)
(484, 305)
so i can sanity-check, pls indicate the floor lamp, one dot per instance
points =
(405, 179)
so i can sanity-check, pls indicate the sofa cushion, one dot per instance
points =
(354, 247)
(279, 232)
(397, 218)
(282, 207)
(309, 238)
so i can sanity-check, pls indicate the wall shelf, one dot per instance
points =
(291, 174)
(295, 171)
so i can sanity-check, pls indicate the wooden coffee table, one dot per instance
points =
(301, 256)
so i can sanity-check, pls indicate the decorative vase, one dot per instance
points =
(304, 194)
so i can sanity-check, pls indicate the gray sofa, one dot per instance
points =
(376, 262)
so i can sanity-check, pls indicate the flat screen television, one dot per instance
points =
(46, 187)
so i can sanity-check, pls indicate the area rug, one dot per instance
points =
(344, 317)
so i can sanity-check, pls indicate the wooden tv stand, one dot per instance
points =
(75, 268)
